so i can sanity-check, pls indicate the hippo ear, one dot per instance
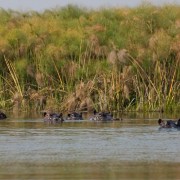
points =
(95, 112)
(159, 121)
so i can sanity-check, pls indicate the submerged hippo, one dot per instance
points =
(2, 116)
(102, 116)
(169, 123)
(53, 118)
(74, 116)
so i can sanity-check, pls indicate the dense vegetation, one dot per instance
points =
(72, 58)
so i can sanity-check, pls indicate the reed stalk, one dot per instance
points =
(14, 77)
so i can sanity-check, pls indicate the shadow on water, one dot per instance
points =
(133, 148)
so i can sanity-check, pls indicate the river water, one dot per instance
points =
(134, 148)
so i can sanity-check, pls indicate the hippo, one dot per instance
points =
(74, 116)
(53, 118)
(169, 123)
(102, 116)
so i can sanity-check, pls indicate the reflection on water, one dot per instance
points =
(105, 170)
(129, 149)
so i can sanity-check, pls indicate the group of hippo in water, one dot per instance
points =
(58, 118)
(50, 117)
(53, 118)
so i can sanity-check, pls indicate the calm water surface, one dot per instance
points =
(134, 148)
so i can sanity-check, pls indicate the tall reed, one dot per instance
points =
(60, 59)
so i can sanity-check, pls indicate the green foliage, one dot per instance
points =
(5, 16)
(21, 66)
(70, 12)
(62, 55)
